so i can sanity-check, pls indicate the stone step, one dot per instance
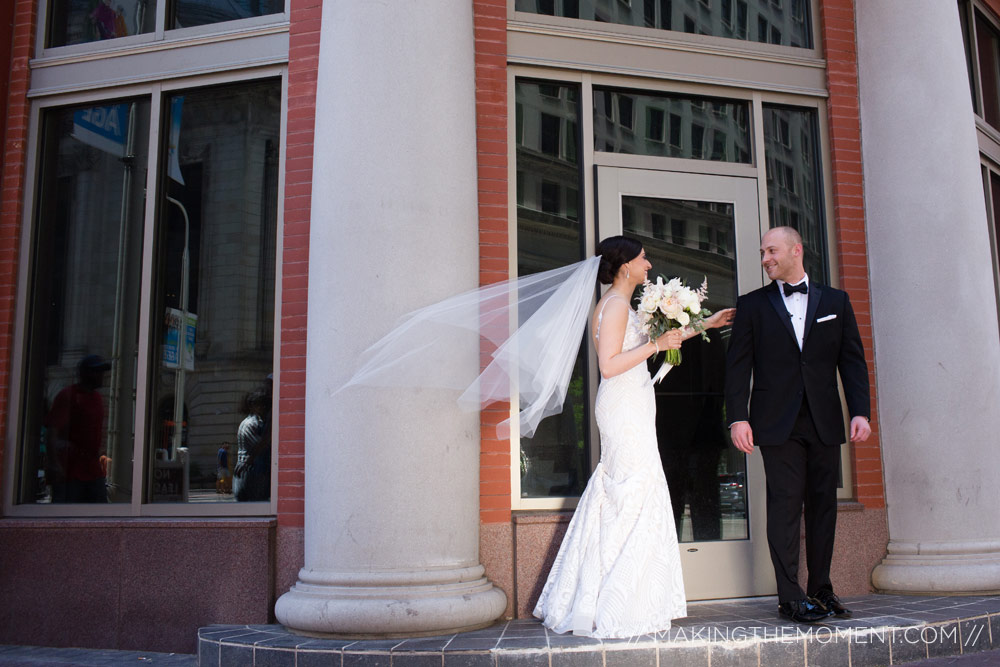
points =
(884, 630)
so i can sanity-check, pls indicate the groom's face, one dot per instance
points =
(781, 258)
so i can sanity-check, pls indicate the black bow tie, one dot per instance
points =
(792, 289)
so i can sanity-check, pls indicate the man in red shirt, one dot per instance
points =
(76, 425)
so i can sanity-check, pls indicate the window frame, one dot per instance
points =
(156, 92)
(988, 136)
(160, 33)
(590, 159)
(989, 168)
(722, 45)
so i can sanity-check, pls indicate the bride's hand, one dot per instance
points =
(671, 340)
(720, 319)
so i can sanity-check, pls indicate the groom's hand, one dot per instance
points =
(860, 429)
(742, 436)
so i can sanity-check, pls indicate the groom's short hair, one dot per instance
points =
(790, 234)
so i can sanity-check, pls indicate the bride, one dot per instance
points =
(618, 570)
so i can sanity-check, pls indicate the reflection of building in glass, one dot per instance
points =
(227, 155)
(793, 185)
(549, 234)
(80, 21)
(671, 126)
(89, 257)
(189, 13)
(547, 176)
(692, 240)
(784, 22)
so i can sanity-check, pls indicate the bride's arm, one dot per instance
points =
(610, 358)
(720, 319)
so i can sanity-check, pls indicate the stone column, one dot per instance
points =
(392, 477)
(937, 347)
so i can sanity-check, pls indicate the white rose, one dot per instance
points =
(671, 308)
(647, 303)
(683, 318)
(691, 302)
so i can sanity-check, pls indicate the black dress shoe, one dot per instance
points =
(828, 600)
(802, 611)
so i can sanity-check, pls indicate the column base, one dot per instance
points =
(390, 604)
(954, 568)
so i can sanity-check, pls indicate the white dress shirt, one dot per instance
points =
(796, 304)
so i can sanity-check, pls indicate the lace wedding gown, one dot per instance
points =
(618, 570)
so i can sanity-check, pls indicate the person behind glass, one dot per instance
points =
(252, 474)
(791, 338)
(104, 19)
(222, 481)
(76, 425)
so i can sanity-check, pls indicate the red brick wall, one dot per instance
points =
(6, 38)
(490, 24)
(12, 189)
(840, 50)
(303, 63)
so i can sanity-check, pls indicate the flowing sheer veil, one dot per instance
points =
(535, 322)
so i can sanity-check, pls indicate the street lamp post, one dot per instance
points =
(179, 378)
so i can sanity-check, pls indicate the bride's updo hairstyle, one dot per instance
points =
(615, 251)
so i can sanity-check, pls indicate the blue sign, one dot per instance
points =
(172, 349)
(104, 128)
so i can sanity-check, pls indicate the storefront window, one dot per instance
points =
(556, 461)
(787, 23)
(672, 125)
(84, 21)
(794, 178)
(212, 301)
(79, 381)
(215, 297)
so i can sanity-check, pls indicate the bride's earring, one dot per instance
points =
(626, 273)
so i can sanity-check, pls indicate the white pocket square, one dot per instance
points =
(827, 318)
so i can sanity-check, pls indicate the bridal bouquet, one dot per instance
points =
(670, 305)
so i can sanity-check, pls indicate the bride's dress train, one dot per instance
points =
(618, 570)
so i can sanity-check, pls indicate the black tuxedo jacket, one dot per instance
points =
(763, 346)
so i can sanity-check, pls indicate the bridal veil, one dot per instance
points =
(535, 323)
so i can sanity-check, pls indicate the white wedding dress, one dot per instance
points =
(618, 570)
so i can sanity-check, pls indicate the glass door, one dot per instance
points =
(698, 226)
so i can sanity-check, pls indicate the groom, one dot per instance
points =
(791, 337)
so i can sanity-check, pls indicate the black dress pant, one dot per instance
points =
(801, 472)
